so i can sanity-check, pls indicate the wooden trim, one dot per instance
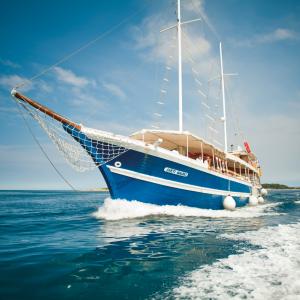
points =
(46, 110)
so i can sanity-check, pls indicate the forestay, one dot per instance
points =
(66, 137)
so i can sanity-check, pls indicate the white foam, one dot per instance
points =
(297, 202)
(272, 272)
(123, 209)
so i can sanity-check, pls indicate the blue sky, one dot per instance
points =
(115, 83)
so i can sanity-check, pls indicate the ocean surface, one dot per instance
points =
(68, 245)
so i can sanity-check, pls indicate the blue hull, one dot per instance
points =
(132, 189)
(135, 175)
(124, 187)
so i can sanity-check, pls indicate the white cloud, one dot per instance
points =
(197, 6)
(199, 59)
(280, 34)
(88, 103)
(277, 35)
(11, 81)
(157, 46)
(194, 5)
(196, 46)
(162, 47)
(69, 77)
(9, 63)
(45, 86)
(114, 90)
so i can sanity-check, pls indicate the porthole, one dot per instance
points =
(118, 164)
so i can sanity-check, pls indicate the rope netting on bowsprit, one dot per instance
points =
(81, 152)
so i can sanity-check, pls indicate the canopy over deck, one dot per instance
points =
(185, 141)
(173, 140)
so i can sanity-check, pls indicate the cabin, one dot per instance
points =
(239, 163)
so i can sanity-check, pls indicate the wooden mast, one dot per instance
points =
(44, 109)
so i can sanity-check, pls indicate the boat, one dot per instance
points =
(162, 167)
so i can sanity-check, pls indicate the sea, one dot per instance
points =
(83, 245)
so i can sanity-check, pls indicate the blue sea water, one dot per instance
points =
(68, 245)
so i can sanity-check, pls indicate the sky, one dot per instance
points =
(114, 84)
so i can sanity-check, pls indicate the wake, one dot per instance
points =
(271, 272)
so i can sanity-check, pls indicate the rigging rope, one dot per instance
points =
(206, 91)
(103, 147)
(68, 56)
(206, 20)
(82, 153)
(43, 150)
(235, 116)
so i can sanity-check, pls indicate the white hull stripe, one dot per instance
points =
(174, 184)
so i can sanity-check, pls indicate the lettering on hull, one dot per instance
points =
(176, 172)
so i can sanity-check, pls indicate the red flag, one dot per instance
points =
(247, 147)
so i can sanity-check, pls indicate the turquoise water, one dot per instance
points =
(67, 245)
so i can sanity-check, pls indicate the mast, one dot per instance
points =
(179, 67)
(178, 25)
(223, 98)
